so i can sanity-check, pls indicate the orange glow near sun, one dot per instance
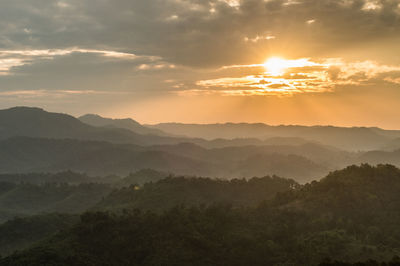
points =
(276, 66)
(280, 77)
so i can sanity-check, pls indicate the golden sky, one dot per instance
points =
(204, 61)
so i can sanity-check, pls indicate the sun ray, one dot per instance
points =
(276, 66)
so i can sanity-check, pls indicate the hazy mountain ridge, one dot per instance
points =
(64, 177)
(35, 122)
(130, 124)
(22, 155)
(58, 142)
(127, 123)
(380, 157)
(319, 153)
(354, 138)
(243, 134)
(70, 144)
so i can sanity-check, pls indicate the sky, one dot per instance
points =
(305, 62)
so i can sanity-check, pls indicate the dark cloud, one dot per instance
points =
(87, 71)
(196, 32)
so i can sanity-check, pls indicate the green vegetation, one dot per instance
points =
(30, 199)
(349, 216)
(22, 232)
(175, 191)
(141, 177)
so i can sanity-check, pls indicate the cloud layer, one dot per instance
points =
(140, 51)
(199, 32)
(300, 76)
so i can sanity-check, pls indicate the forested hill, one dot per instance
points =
(176, 191)
(20, 200)
(23, 232)
(363, 193)
(350, 216)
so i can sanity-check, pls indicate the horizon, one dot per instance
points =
(194, 123)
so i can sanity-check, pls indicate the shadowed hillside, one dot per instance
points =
(20, 233)
(128, 123)
(35, 122)
(24, 155)
(349, 216)
(29, 199)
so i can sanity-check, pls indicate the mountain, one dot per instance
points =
(67, 177)
(128, 123)
(354, 138)
(33, 140)
(26, 155)
(321, 154)
(35, 122)
(392, 145)
(381, 157)
(235, 142)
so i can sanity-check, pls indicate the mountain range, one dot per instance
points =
(352, 138)
(33, 140)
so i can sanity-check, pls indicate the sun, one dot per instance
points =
(276, 66)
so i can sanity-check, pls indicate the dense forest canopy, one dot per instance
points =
(351, 215)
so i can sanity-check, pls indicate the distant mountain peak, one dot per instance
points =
(90, 115)
(25, 108)
(125, 123)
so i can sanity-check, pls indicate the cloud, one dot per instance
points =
(88, 70)
(300, 76)
(14, 58)
(199, 33)
(24, 94)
